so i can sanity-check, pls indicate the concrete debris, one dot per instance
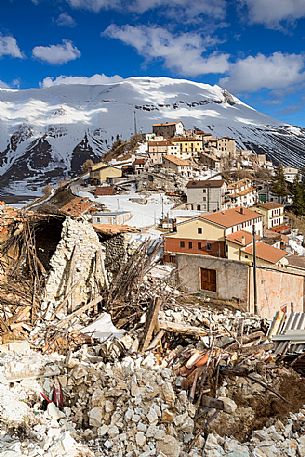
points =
(111, 360)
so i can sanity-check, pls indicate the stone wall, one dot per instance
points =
(116, 252)
(77, 268)
(231, 276)
(276, 287)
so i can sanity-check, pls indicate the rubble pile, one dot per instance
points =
(139, 405)
(126, 365)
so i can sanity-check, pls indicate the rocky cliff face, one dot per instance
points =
(47, 133)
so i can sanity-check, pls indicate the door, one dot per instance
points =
(208, 279)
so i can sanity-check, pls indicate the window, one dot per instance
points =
(190, 244)
(199, 245)
(204, 191)
(204, 199)
(199, 230)
(182, 244)
(198, 207)
(209, 246)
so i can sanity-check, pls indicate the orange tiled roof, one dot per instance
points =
(241, 237)
(165, 124)
(160, 143)
(270, 205)
(231, 217)
(185, 139)
(139, 162)
(177, 161)
(266, 252)
(207, 183)
(114, 229)
(241, 193)
(77, 207)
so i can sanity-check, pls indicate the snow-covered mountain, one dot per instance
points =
(49, 132)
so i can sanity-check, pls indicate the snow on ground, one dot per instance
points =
(146, 214)
(299, 250)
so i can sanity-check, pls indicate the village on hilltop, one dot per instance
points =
(158, 298)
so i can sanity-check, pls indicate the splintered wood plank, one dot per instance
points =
(151, 324)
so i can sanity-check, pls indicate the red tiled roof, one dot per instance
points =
(176, 161)
(77, 207)
(104, 190)
(207, 183)
(139, 162)
(241, 237)
(160, 143)
(270, 205)
(266, 252)
(231, 217)
(114, 229)
(165, 124)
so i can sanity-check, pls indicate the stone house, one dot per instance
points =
(207, 233)
(101, 172)
(179, 166)
(273, 214)
(210, 161)
(158, 148)
(241, 193)
(290, 173)
(168, 129)
(114, 218)
(206, 195)
(232, 281)
(239, 246)
(188, 147)
(139, 166)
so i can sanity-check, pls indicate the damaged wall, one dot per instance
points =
(77, 268)
(234, 282)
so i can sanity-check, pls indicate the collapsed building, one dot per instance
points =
(102, 354)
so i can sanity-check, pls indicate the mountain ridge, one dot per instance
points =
(46, 132)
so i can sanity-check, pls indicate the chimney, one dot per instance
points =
(242, 210)
(243, 240)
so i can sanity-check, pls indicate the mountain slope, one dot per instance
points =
(47, 133)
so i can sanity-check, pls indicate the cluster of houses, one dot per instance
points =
(228, 228)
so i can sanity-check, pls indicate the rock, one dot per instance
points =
(54, 413)
(152, 416)
(96, 416)
(301, 445)
(140, 439)
(167, 416)
(103, 430)
(168, 446)
(229, 405)
(168, 393)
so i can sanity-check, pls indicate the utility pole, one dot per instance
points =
(254, 270)
(162, 208)
(134, 123)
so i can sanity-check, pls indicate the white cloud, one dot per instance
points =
(181, 53)
(9, 47)
(272, 12)
(186, 8)
(277, 71)
(94, 5)
(57, 53)
(65, 20)
(91, 80)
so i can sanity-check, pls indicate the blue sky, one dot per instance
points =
(254, 48)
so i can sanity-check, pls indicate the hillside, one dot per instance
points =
(48, 133)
